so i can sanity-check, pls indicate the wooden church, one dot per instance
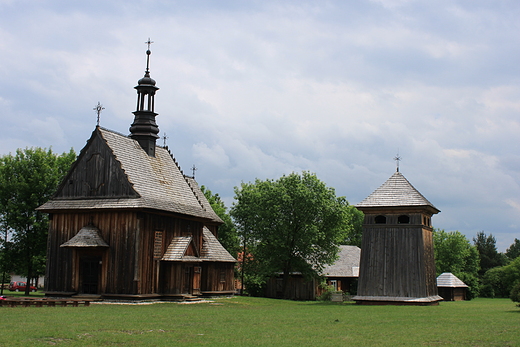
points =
(397, 262)
(127, 223)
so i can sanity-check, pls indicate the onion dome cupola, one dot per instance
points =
(144, 129)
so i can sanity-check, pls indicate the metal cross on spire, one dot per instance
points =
(165, 137)
(148, 52)
(397, 159)
(149, 42)
(193, 169)
(98, 110)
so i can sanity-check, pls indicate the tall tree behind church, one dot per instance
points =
(487, 249)
(27, 180)
(227, 233)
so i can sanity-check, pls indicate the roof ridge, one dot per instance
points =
(184, 176)
(193, 190)
(112, 131)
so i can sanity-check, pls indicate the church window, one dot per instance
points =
(157, 244)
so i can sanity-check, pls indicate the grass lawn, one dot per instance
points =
(243, 321)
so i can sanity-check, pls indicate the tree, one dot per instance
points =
(355, 233)
(27, 180)
(501, 280)
(227, 233)
(515, 293)
(454, 253)
(514, 250)
(292, 224)
(487, 249)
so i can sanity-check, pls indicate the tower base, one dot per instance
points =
(397, 300)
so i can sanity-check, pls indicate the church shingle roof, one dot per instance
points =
(396, 191)
(212, 250)
(158, 181)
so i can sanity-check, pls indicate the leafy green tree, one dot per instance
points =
(27, 180)
(227, 233)
(515, 293)
(292, 224)
(514, 250)
(501, 280)
(487, 249)
(354, 233)
(454, 253)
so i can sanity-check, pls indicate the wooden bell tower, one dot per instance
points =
(397, 261)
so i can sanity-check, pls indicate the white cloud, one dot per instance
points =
(263, 89)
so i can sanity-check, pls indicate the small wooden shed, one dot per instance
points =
(451, 288)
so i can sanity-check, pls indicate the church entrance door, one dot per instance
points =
(90, 270)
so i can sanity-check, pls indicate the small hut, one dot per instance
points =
(450, 287)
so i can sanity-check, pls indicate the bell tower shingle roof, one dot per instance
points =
(396, 192)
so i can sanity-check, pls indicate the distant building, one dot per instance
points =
(451, 288)
(127, 223)
(345, 271)
(397, 262)
(341, 275)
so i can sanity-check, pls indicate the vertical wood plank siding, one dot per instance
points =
(97, 173)
(218, 277)
(397, 261)
(128, 265)
(116, 228)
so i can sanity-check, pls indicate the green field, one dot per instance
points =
(243, 321)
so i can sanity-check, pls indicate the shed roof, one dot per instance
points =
(177, 248)
(212, 250)
(158, 181)
(447, 279)
(347, 264)
(396, 192)
(88, 236)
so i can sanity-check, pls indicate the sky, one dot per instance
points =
(259, 89)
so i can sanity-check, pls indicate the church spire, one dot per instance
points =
(144, 129)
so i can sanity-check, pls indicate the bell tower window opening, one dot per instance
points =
(380, 219)
(403, 219)
(146, 102)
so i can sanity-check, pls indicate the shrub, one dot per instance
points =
(515, 293)
(472, 282)
(499, 281)
(326, 293)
